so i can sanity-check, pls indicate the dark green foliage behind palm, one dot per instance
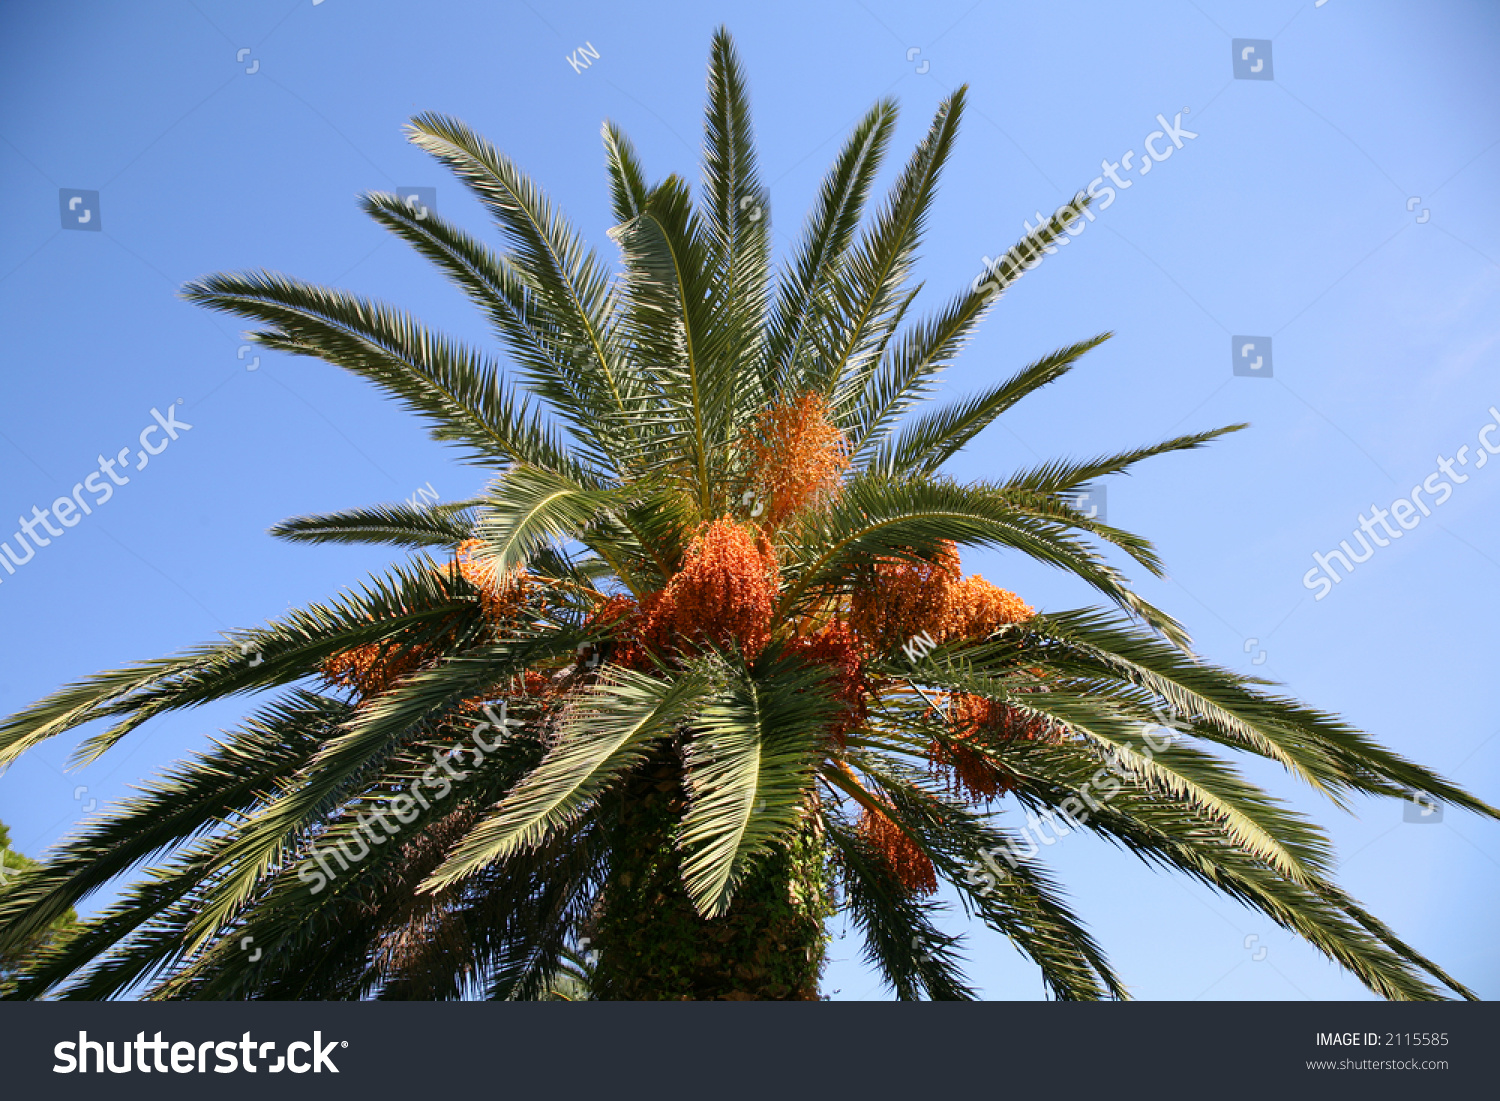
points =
(12, 864)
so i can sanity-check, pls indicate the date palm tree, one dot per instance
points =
(699, 668)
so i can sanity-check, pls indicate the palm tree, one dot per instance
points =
(699, 668)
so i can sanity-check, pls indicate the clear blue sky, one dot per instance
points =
(1289, 216)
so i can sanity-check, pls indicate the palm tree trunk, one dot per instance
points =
(653, 945)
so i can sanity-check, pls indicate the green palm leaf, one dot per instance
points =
(749, 770)
(608, 732)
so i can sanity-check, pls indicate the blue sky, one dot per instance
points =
(1338, 209)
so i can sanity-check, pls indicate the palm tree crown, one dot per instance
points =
(700, 667)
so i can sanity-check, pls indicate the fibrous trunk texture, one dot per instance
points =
(654, 946)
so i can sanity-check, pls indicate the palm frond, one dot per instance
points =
(875, 393)
(628, 189)
(875, 269)
(607, 729)
(454, 388)
(552, 360)
(1060, 475)
(559, 270)
(830, 229)
(401, 525)
(936, 436)
(887, 517)
(749, 768)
